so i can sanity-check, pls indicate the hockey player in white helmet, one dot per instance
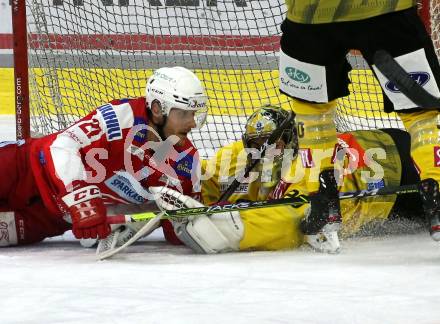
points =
(176, 103)
(175, 95)
(113, 155)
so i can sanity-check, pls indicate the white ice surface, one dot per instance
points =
(386, 279)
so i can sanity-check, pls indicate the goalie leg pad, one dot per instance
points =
(212, 234)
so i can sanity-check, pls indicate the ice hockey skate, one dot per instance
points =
(323, 220)
(429, 192)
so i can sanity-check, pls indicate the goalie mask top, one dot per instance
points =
(178, 87)
(263, 122)
(260, 125)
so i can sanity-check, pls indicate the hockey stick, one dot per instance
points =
(294, 199)
(107, 248)
(392, 70)
(276, 134)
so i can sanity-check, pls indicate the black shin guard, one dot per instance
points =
(325, 210)
(429, 192)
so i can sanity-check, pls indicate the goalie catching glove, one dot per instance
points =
(88, 213)
(203, 233)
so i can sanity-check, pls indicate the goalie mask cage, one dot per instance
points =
(78, 54)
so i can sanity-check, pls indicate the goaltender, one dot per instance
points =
(281, 173)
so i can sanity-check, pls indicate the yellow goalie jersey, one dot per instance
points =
(264, 229)
(379, 166)
(327, 11)
(371, 161)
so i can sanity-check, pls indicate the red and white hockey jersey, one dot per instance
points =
(109, 148)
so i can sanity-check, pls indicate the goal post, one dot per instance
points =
(21, 76)
(82, 53)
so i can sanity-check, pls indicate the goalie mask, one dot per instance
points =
(178, 87)
(260, 125)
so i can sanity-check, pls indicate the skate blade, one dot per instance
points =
(332, 227)
(436, 236)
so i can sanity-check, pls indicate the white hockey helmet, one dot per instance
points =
(178, 87)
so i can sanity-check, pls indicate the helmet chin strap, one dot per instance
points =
(160, 127)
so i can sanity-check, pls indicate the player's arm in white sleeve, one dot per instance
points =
(66, 156)
(66, 148)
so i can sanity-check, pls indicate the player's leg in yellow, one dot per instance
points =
(316, 139)
(276, 228)
(425, 149)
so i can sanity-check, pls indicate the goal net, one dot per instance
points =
(83, 53)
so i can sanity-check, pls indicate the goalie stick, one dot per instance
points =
(107, 248)
(395, 73)
(293, 199)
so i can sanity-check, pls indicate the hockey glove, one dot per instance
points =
(88, 213)
(170, 199)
